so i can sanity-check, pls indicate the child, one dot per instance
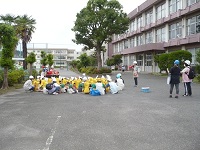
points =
(119, 81)
(28, 86)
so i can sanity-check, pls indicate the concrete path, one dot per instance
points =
(130, 120)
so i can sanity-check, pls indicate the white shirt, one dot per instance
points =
(28, 85)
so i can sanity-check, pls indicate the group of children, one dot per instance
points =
(72, 85)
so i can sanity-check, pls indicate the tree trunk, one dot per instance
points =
(99, 61)
(24, 47)
(5, 79)
(31, 69)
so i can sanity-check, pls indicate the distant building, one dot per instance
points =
(61, 56)
(158, 26)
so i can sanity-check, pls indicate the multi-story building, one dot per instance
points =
(159, 26)
(61, 56)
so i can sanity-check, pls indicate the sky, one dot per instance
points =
(54, 18)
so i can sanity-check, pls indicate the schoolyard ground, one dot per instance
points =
(130, 120)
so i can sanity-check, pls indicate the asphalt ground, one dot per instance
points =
(130, 120)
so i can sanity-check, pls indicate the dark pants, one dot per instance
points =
(188, 89)
(32, 88)
(172, 87)
(136, 81)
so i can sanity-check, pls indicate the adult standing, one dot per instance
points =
(186, 80)
(175, 78)
(135, 72)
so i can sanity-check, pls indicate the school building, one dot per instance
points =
(158, 26)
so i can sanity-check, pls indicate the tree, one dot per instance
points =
(198, 56)
(84, 60)
(8, 19)
(50, 60)
(43, 61)
(74, 63)
(117, 59)
(110, 62)
(97, 22)
(25, 28)
(197, 67)
(31, 59)
(166, 60)
(8, 40)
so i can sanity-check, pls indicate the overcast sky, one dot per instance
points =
(54, 18)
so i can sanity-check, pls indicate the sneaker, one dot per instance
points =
(185, 95)
(176, 96)
(54, 93)
(170, 96)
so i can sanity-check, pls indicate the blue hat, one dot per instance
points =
(176, 62)
(118, 75)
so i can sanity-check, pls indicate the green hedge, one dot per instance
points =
(94, 70)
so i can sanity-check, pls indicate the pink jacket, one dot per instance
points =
(185, 73)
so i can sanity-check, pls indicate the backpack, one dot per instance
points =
(49, 86)
(191, 74)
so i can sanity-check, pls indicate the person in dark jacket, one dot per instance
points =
(175, 73)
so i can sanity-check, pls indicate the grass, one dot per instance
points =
(11, 89)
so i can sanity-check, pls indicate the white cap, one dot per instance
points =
(135, 62)
(31, 77)
(187, 62)
(84, 78)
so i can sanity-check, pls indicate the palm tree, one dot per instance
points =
(8, 19)
(24, 26)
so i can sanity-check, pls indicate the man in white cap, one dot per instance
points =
(28, 86)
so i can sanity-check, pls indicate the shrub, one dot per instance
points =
(35, 73)
(198, 78)
(197, 69)
(94, 70)
(105, 70)
(1, 77)
(15, 77)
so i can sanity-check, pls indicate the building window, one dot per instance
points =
(148, 59)
(160, 35)
(132, 26)
(174, 6)
(139, 22)
(191, 2)
(132, 42)
(139, 59)
(125, 44)
(116, 48)
(160, 11)
(175, 30)
(125, 60)
(193, 25)
(131, 59)
(149, 17)
(194, 51)
(149, 37)
(139, 40)
(120, 46)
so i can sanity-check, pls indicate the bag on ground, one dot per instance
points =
(49, 86)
